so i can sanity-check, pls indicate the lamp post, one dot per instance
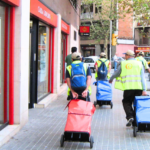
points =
(110, 40)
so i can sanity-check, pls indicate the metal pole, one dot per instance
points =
(110, 39)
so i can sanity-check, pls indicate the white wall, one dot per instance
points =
(73, 43)
(21, 62)
(57, 50)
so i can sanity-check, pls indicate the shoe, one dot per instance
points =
(68, 98)
(129, 123)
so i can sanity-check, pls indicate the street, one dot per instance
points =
(45, 126)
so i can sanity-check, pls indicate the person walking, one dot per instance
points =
(115, 61)
(99, 62)
(68, 59)
(131, 81)
(78, 77)
(140, 58)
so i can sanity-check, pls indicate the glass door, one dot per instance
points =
(62, 58)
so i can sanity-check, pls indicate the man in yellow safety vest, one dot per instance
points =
(130, 79)
(78, 77)
(140, 58)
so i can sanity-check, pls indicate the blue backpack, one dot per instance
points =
(102, 71)
(78, 76)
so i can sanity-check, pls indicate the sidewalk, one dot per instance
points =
(45, 126)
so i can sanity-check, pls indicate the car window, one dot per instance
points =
(89, 60)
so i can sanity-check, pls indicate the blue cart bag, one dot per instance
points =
(104, 91)
(142, 108)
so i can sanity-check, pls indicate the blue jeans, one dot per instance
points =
(115, 65)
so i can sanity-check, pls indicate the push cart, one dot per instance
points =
(78, 125)
(103, 93)
(142, 114)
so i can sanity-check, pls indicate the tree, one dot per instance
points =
(139, 8)
(107, 10)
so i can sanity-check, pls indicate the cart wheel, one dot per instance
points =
(134, 132)
(95, 103)
(62, 141)
(91, 141)
(111, 105)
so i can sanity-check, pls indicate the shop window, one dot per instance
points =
(43, 57)
(4, 61)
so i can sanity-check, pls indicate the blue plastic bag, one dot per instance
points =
(104, 91)
(142, 106)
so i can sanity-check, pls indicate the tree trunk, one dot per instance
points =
(106, 43)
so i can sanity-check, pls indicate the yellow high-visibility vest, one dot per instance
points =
(130, 77)
(99, 63)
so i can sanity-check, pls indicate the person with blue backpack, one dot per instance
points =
(78, 77)
(103, 68)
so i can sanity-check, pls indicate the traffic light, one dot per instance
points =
(114, 39)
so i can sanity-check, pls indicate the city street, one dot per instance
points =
(45, 126)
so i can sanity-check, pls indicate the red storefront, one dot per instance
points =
(65, 28)
(7, 33)
(42, 34)
(145, 49)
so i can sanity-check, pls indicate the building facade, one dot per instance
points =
(125, 41)
(35, 38)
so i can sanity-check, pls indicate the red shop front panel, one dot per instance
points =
(12, 2)
(43, 13)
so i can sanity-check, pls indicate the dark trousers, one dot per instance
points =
(128, 100)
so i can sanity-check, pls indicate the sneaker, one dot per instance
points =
(129, 123)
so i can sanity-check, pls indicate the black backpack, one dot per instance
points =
(102, 70)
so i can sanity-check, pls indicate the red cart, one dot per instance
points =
(78, 125)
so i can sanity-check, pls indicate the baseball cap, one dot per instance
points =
(130, 52)
(141, 53)
(102, 54)
(76, 55)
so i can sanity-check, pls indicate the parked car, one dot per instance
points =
(112, 61)
(90, 61)
(148, 60)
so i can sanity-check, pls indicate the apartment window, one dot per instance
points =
(98, 9)
(86, 9)
(74, 3)
(75, 35)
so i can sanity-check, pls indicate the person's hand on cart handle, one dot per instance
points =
(85, 93)
(74, 94)
(144, 93)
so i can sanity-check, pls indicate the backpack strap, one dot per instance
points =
(100, 61)
(103, 61)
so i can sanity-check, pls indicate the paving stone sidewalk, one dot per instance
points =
(45, 126)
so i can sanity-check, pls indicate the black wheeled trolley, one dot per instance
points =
(78, 125)
(142, 114)
(103, 93)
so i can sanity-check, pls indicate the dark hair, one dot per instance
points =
(103, 56)
(141, 55)
(73, 49)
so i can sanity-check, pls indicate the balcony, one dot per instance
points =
(85, 16)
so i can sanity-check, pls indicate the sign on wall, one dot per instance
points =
(41, 11)
(143, 49)
(65, 27)
(84, 31)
